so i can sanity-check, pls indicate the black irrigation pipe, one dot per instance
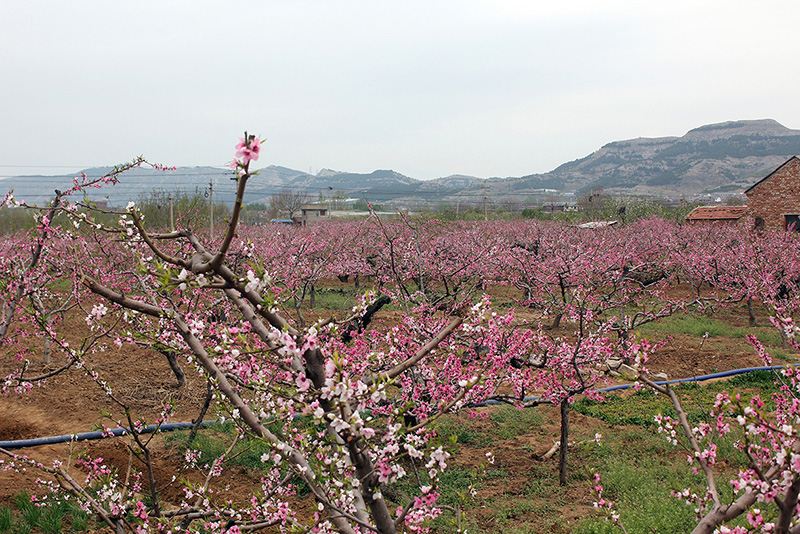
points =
(98, 434)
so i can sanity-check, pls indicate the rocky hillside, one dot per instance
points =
(729, 156)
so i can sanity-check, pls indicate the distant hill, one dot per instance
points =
(729, 156)
(716, 158)
(132, 185)
(382, 185)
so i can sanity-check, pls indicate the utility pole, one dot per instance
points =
(211, 198)
(485, 207)
(171, 216)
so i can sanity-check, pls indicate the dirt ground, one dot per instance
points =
(72, 403)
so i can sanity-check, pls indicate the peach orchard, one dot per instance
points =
(345, 403)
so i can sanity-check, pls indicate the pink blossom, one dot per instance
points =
(248, 150)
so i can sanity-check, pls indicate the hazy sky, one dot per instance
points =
(428, 88)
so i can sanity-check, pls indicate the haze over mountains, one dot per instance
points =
(724, 157)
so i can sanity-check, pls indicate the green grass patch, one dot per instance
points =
(6, 519)
(763, 380)
(30, 512)
(640, 492)
(213, 440)
(638, 471)
(698, 325)
(454, 485)
(507, 422)
(50, 517)
(641, 407)
(332, 299)
(80, 520)
(60, 285)
(639, 468)
(542, 484)
(780, 355)
(459, 432)
(512, 421)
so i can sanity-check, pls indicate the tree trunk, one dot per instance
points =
(562, 457)
(199, 421)
(175, 365)
(38, 305)
(751, 313)
(46, 351)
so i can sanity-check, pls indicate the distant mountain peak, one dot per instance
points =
(717, 157)
(742, 127)
(460, 177)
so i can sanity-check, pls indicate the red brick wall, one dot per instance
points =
(777, 196)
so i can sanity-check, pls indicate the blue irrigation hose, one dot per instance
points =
(702, 378)
(35, 442)
(723, 374)
(97, 434)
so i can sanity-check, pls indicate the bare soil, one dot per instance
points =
(72, 403)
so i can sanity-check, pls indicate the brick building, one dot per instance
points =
(774, 201)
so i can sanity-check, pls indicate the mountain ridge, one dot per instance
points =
(713, 157)
(726, 156)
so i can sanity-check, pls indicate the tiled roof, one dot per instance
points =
(717, 213)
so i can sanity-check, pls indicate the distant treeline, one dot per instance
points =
(192, 210)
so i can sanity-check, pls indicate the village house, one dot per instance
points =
(716, 214)
(557, 207)
(774, 201)
(313, 212)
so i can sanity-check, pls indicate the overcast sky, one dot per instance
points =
(427, 88)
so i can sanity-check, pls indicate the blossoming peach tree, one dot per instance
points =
(345, 404)
(330, 401)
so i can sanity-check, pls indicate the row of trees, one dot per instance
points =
(344, 403)
(163, 208)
